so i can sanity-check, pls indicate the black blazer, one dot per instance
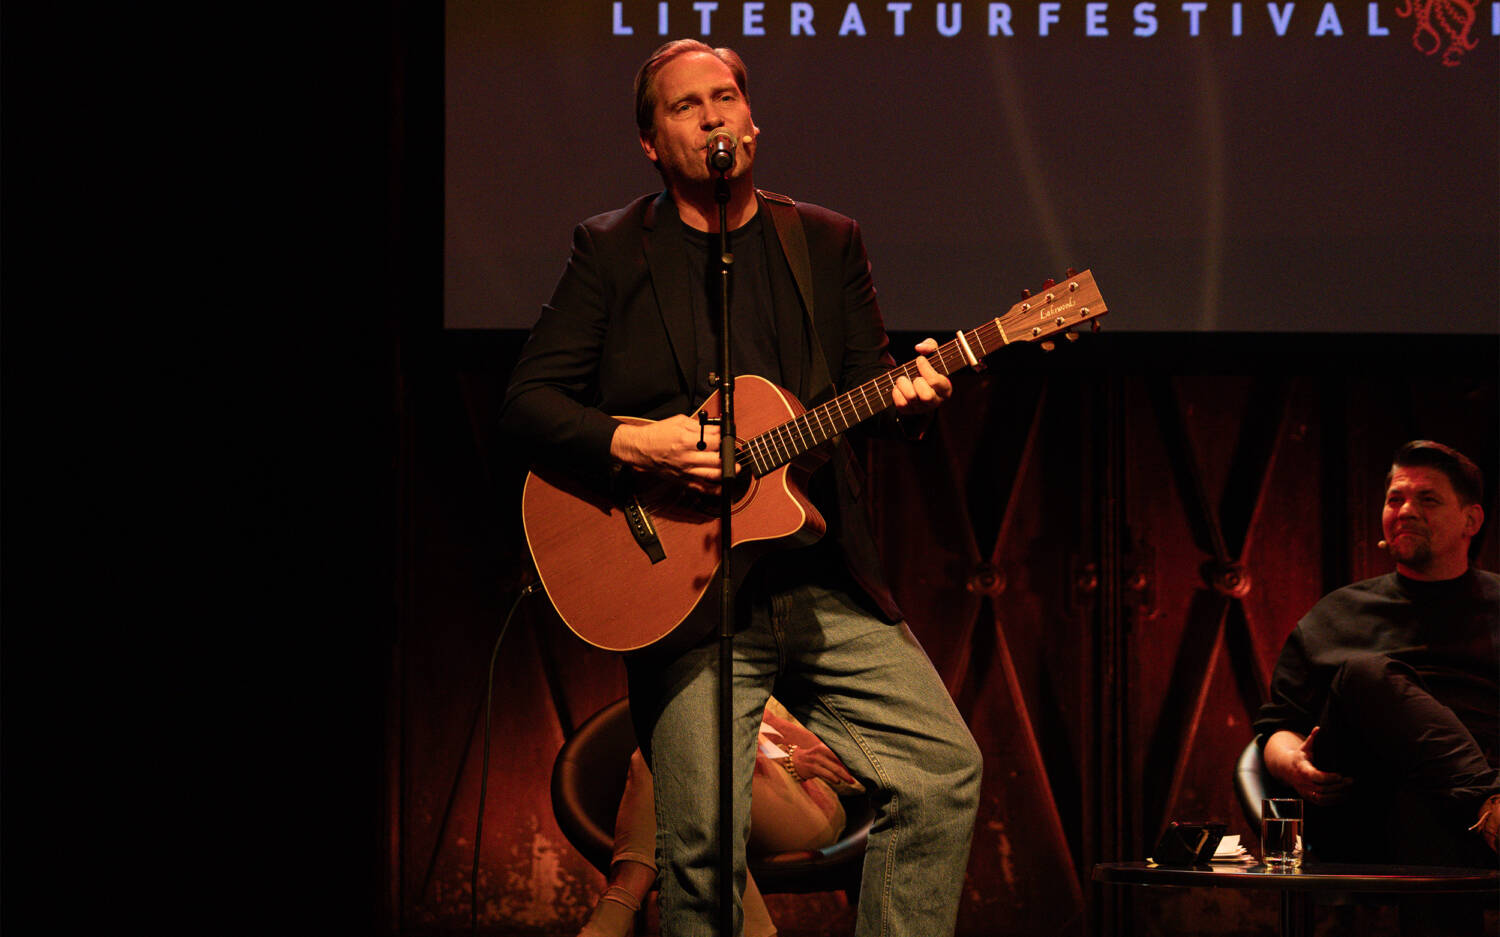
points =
(617, 338)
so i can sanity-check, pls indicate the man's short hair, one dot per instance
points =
(645, 79)
(1462, 473)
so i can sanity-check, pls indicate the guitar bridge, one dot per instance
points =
(642, 529)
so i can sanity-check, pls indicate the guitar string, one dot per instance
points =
(830, 418)
(813, 427)
(816, 426)
(827, 420)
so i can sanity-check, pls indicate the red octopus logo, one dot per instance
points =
(1442, 25)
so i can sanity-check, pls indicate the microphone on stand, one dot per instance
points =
(721, 146)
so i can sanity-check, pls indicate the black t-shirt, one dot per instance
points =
(1448, 632)
(751, 304)
(757, 279)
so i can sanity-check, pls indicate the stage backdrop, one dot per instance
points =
(1326, 167)
(1060, 542)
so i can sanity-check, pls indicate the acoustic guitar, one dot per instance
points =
(627, 568)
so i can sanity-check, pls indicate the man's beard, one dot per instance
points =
(1414, 552)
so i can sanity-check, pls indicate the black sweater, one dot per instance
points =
(1448, 631)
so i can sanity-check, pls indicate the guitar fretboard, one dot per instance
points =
(1030, 320)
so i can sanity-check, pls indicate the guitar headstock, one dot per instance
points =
(1056, 307)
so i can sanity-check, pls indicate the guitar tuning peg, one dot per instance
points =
(1026, 294)
(1048, 283)
(1071, 271)
(1095, 325)
(1048, 346)
(1071, 336)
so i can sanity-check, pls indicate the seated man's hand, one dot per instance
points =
(1488, 824)
(1289, 758)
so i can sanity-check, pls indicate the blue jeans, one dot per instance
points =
(869, 692)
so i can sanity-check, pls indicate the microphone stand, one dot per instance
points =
(726, 593)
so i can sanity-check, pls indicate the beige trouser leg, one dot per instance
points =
(635, 841)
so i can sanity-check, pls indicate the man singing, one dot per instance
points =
(632, 330)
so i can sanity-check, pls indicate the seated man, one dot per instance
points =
(1383, 708)
(794, 805)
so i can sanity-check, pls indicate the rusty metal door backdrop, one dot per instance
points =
(1090, 614)
(1102, 563)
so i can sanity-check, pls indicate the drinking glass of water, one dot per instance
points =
(1281, 832)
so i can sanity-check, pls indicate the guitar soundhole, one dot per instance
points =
(742, 489)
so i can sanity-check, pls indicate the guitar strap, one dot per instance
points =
(793, 238)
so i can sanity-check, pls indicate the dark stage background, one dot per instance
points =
(1222, 166)
(1278, 326)
(1054, 546)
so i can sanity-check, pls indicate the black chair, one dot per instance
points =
(1252, 781)
(588, 778)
